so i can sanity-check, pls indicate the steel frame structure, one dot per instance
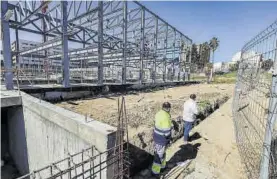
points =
(113, 34)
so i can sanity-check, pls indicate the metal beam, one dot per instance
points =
(155, 46)
(190, 47)
(65, 58)
(100, 42)
(34, 12)
(6, 45)
(142, 43)
(164, 60)
(43, 46)
(125, 13)
(160, 19)
(16, 42)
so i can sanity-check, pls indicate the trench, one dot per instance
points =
(141, 159)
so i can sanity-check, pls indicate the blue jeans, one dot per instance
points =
(187, 128)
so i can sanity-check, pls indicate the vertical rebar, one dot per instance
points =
(83, 169)
(69, 165)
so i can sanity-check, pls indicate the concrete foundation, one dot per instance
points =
(55, 94)
(41, 133)
(10, 98)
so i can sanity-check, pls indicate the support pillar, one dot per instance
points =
(156, 46)
(142, 44)
(190, 47)
(173, 68)
(6, 45)
(84, 46)
(17, 63)
(65, 57)
(100, 43)
(125, 11)
(164, 69)
(165, 58)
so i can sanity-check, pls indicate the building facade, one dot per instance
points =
(33, 61)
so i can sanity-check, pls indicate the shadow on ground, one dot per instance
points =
(195, 136)
(186, 152)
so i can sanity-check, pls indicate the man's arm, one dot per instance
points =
(195, 109)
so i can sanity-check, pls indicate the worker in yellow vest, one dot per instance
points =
(162, 137)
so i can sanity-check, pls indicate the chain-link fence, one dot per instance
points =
(254, 105)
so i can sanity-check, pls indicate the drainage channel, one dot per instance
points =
(141, 159)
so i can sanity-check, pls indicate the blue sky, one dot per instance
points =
(234, 23)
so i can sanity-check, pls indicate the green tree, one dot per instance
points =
(234, 67)
(194, 55)
(204, 54)
(214, 43)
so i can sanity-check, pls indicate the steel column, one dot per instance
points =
(173, 68)
(180, 67)
(156, 46)
(125, 13)
(17, 42)
(165, 57)
(190, 47)
(6, 45)
(65, 57)
(100, 42)
(44, 39)
(142, 43)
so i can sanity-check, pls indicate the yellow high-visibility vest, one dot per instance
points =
(162, 123)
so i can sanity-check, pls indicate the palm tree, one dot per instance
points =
(206, 49)
(214, 43)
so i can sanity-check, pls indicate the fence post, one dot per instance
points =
(271, 119)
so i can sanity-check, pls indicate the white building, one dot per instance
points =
(236, 57)
(30, 62)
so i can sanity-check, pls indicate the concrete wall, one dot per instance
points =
(53, 132)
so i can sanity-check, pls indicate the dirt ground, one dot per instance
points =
(212, 153)
(142, 106)
(105, 108)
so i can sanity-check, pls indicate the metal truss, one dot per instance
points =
(95, 33)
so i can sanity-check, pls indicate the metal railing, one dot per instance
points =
(254, 105)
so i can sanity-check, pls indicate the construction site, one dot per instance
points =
(81, 82)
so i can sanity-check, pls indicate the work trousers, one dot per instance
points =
(187, 128)
(159, 158)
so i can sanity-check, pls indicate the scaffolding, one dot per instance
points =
(99, 42)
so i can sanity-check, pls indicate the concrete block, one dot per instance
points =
(53, 132)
